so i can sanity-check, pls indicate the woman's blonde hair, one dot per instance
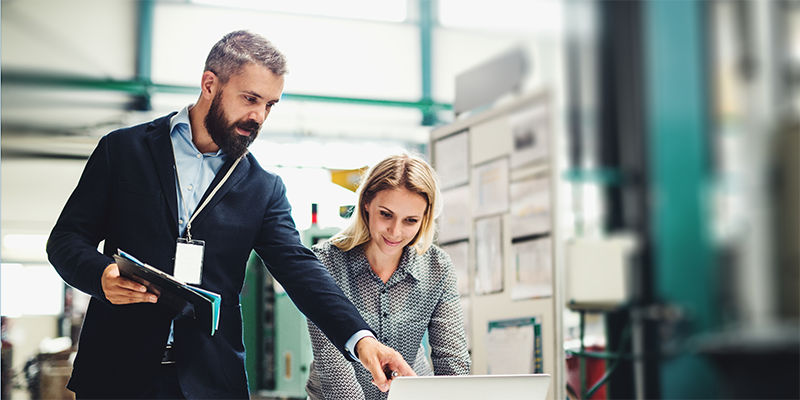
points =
(400, 171)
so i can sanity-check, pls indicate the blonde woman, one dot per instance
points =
(402, 284)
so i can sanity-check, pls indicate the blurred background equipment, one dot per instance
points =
(676, 109)
(276, 335)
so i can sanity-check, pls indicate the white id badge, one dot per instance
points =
(189, 261)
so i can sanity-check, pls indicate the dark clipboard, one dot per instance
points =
(201, 305)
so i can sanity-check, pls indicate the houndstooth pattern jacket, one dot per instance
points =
(421, 295)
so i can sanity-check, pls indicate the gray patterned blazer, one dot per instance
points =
(421, 295)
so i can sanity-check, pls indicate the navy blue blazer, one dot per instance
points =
(127, 197)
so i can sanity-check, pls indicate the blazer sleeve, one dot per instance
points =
(307, 282)
(72, 245)
(446, 335)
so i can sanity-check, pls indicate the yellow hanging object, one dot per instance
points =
(348, 178)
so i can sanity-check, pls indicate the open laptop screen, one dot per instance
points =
(471, 387)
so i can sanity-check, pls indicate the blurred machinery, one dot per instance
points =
(276, 336)
(6, 372)
(683, 117)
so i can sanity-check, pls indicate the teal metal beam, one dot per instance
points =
(426, 10)
(425, 106)
(678, 128)
(144, 88)
(144, 54)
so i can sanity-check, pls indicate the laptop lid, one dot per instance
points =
(471, 387)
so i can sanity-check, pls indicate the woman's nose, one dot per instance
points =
(393, 227)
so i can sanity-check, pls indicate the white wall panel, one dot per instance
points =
(82, 37)
(488, 140)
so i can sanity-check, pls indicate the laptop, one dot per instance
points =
(471, 387)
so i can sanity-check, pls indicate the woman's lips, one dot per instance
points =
(390, 243)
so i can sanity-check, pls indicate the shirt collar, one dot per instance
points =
(182, 117)
(409, 261)
(358, 264)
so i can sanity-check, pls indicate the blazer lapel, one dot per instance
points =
(236, 176)
(164, 160)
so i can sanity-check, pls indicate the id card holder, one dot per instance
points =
(189, 260)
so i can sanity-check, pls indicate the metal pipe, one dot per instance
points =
(425, 35)
(138, 88)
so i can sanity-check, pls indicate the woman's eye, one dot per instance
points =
(385, 214)
(411, 221)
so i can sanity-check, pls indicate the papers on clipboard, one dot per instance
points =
(515, 346)
(199, 304)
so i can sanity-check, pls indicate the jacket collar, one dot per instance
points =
(164, 159)
(236, 176)
(158, 133)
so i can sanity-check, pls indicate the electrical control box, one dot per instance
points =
(597, 275)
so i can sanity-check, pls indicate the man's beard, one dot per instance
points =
(223, 132)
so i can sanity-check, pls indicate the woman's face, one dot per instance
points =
(395, 217)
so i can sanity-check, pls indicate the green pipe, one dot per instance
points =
(422, 104)
(597, 354)
(626, 334)
(140, 88)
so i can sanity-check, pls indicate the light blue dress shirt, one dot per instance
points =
(196, 170)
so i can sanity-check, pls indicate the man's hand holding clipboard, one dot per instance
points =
(191, 301)
(121, 290)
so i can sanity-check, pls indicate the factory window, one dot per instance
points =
(386, 10)
(502, 15)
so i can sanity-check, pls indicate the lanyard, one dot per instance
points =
(208, 199)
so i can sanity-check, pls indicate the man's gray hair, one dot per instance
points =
(237, 49)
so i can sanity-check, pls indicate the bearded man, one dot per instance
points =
(186, 183)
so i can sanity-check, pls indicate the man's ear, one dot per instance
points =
(209, 85)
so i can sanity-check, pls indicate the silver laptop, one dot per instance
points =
(471, 387)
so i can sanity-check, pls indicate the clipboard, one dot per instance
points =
(198, 304)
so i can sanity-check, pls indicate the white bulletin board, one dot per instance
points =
(509, 233)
